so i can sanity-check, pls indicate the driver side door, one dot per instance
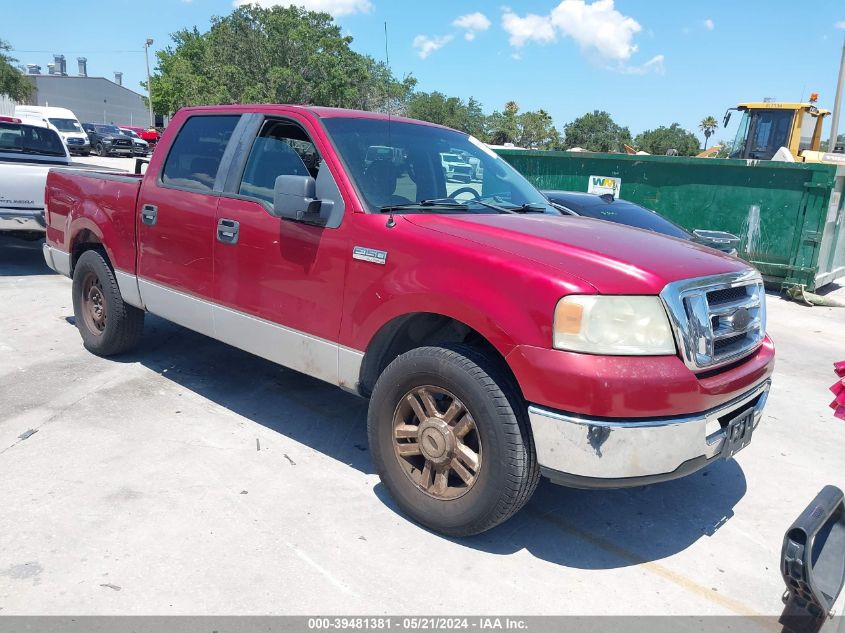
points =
(278, 284)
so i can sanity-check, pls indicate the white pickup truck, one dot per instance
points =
(28, 149)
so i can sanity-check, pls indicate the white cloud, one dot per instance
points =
(532, 27)
(840, 24)
(516, 55)
(654, 65)
(599, 29)
(472, 23)
(427, 45)
(598, 26)
(336, 8)
(709, 24)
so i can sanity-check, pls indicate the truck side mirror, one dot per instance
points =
(295, 198)
(813, 562)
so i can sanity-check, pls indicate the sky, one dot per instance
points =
(647, 62)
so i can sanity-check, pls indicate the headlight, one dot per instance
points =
(614, 325)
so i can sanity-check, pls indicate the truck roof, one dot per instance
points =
(780, 105)
(317, 111)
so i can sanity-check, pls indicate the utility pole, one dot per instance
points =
(837, 103)
(147, 45)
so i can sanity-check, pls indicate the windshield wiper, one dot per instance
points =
(423, 205)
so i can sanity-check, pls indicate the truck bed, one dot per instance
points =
(76, 198)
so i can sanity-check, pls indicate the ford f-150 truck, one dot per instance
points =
(495, 339)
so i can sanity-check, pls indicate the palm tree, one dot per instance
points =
(708, 125)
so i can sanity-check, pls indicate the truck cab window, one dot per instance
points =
(195, 156)
(282, 148)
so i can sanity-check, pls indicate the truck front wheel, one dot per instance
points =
(106, 323)
(450, 439)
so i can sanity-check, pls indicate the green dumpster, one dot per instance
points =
(790, 217)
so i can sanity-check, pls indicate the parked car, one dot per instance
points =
(456, 168)
(107, 140)
(149, 134)
(140, 147)
(606, 207)
(28, 149)
(65, 123)
(496, 339)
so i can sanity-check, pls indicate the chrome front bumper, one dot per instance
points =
(616, 453)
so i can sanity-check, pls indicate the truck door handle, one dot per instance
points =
(227, 231)
(149, 214)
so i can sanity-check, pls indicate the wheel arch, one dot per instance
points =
(421, 329)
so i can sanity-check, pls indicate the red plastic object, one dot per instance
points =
(838, 389)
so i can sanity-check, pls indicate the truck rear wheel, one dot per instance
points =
(450, 439)
(106, 323)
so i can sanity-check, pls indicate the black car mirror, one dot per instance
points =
(813, 562)
(295, 198)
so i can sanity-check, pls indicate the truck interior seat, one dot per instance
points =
(379, 184)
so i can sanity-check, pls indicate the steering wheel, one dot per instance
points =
(469, 190)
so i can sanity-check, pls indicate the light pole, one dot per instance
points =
(147, 45)
(837, 104)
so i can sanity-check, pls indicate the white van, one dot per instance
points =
(63, 120)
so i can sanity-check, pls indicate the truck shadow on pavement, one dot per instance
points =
(587, 529)
(608, 529)
(20, 258)
(292, 404)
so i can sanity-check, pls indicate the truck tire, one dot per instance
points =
(106, 323)
(450, 439)
(101, 150)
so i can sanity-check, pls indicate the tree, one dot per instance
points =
(280, 54)
(537, 130)
(708, 125)
(663, 139)
(597, 132)
(503, 127)
(449, 111)
(13, 83)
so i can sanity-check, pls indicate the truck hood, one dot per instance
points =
(613, 258)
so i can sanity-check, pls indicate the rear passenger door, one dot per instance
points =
(177, 226)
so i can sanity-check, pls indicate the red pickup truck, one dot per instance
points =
(495, 339)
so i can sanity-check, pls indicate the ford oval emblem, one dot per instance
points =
(740, 319)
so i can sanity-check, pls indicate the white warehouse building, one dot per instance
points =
(92, 99)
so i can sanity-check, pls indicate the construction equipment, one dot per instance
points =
(781, 131)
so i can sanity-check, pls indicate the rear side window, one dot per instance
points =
(28, 139)
(195, 156)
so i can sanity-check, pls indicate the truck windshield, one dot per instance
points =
(66, 125)
(29, 139)
(107, 129)
(416, 172)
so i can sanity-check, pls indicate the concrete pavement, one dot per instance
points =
(192, 478)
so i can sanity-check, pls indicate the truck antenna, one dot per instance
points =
(391, 222)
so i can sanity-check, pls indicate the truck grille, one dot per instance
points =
(717, 320)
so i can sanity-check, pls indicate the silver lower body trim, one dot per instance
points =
(129, 290)
(600, 449)
(312, 355)
(57, 260)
